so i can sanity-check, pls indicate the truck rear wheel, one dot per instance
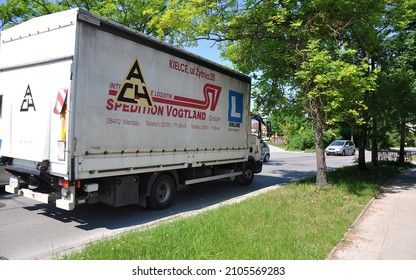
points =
(162, 192)
(248, 174)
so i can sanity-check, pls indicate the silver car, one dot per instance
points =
(341, 147)
(265, 151)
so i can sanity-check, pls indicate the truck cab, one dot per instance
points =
(260, 129)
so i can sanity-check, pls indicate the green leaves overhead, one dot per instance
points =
(339, 84)
(136, 14)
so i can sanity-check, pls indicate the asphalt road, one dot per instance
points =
(29, 230)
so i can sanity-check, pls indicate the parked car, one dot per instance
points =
(341, 147)
(265, 151)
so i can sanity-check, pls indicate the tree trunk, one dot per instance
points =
(361, 148)
(363, 138)
(318, 126)
(402, 140)
(374, 134)
(374, 143)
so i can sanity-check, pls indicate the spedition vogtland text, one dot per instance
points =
(170, 111)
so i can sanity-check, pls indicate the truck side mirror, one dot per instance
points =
(269, 128)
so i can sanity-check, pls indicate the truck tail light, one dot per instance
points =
(63, 183)
(66, 184)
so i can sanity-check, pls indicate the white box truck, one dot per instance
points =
(92, 111)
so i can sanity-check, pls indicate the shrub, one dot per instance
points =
(305, 139)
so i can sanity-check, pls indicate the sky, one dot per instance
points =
(207, 50)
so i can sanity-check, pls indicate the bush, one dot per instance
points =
(305, 139)
(331, 135)
(389, 139)
(301, 141)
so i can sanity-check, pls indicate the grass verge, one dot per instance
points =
(295, 222)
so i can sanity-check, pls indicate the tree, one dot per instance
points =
(397, 83)
(398, 86)
(132, 13)
(331, 85)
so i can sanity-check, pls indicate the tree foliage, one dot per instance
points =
(397, 82)
(136, 14)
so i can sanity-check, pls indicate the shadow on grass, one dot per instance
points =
(356, 181)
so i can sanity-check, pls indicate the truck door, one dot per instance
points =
(32, 130)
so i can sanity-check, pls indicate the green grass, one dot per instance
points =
(295, 222)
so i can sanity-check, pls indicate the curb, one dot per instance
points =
(331, 255)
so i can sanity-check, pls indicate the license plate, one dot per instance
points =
(14, 182)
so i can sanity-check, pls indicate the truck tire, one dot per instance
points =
(248, 174)
(162, 192)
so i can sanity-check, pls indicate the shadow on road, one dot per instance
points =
(90, 217)
(403, 182)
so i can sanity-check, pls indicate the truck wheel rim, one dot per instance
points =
(163, 192)
(249, 173)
